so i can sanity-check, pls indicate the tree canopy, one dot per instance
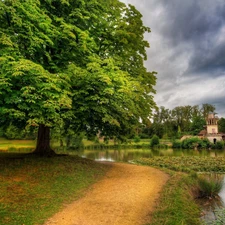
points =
(180, 120)
(74, 64)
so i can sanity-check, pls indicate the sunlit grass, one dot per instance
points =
(5, 144)
(176, 205)
(33, 189)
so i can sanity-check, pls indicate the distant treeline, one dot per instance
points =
(179, 121)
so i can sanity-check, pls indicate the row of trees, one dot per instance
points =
(73, 66)
(180, 120)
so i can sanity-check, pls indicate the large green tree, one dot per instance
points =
(75, 65)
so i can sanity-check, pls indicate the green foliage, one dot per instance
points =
(77, 65)
(13, 132)
(77, 141)
(197, 124)
(176, 144)
(154, 141)
(221, 125)
(137, 139)
(144, 136)
(195, 142)
(181, 120)
(218, 145)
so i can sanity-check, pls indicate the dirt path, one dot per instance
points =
(125, 196)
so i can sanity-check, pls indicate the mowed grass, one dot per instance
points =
(33, 189)
(6, 144)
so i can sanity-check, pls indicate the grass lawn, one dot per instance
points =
(11, 144)
(33, 189)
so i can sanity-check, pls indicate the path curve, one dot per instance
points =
(125, 196)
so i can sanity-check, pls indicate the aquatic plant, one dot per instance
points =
(186, 163)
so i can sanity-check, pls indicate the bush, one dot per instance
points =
(195, 142)
(137, 139)
(154, 141)
(176, 144)
(218, 145)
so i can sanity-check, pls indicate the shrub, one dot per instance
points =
(154, 141)
(176, 144)
(218, 145)
(195, 142)
(205, 143)
(137, 139)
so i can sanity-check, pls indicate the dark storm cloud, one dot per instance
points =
(187, 50)
(198, 24)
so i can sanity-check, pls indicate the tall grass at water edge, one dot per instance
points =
(209, 186)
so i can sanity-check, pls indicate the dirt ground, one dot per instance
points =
(125, 196)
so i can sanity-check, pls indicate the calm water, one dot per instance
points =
(132, 154)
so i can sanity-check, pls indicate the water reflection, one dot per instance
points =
(115, 155)
(125, 155)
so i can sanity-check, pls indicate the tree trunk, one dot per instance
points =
(43, 142)
(68, 139)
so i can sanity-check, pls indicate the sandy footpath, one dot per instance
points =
(125, 196)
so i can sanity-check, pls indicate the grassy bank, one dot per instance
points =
(176, 205)
(177, 201)
(33, 189)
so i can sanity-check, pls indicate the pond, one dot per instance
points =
(126, 155)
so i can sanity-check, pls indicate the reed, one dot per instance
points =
(209, 186)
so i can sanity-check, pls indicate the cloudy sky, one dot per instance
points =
(187, 50)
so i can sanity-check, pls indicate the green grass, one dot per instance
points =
(6, 144)
(176, 205)
(33, 189)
